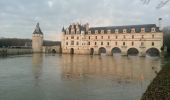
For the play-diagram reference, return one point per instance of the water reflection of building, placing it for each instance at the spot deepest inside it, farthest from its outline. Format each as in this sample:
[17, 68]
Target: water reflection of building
[118, 68]
[37, 60]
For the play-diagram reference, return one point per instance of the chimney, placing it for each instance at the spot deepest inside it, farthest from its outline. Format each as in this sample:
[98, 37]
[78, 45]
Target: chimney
[160, 24]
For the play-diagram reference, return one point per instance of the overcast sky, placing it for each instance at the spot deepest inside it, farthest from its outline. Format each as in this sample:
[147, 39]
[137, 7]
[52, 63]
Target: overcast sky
[18, 18]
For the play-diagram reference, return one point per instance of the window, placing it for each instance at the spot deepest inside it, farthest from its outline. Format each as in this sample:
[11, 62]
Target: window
[153, 29]
[124, 30]
[77, 38]
[66, 43]
[102, 31]
[132, 36]
[95, 43]
[108, 37]
[77, 43]
[108, 31]
[89, 37]
[133, 30]
[142, 44]
[72, 42]
[124, 43]
[132, 43]
[101, 43]
[152, 35]
[101, 37]
[152, 43]
[67, 38]
[116, 37]
[96, 37]
[107, 43]
[72, 37]
[88, 43]
[116, 43]
[124, 36]
[142, 36]
[142, 30]
[116, 31]
[96, 31]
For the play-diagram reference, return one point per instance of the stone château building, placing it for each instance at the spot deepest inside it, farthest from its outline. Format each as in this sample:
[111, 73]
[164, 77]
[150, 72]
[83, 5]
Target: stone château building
[127, 40]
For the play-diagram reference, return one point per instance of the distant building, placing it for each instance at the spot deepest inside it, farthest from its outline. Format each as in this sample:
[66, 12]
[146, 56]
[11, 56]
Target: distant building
[41, 46]
[127, 40]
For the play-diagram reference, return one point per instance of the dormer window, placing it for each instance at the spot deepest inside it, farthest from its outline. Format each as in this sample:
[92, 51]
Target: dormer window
[108, 31]
[133, 30]
[102, 31]
[142, 30]
[89, 32]
[116, 31]
[124, 31]
[96, 31]
[153, 29]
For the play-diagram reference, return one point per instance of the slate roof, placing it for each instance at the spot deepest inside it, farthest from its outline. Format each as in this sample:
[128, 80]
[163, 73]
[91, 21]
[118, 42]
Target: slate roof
[37, 30]
[137, 28]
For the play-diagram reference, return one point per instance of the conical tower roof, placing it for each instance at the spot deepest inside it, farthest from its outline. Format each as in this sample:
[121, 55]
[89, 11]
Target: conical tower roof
[37, 30]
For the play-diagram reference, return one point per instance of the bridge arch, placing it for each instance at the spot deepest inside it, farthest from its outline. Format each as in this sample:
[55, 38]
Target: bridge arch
[102, 50]
[132, 51]
[71, 51]
[115, 50]
[152, 52]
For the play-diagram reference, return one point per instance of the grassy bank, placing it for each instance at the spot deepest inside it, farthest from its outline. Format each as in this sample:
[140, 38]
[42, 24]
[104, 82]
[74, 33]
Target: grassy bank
[159, 89]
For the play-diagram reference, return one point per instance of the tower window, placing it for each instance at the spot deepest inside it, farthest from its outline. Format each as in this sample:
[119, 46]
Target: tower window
[77, 38]
[101, 37]
[124, 43]
[132, 43]
[96, 37]
[152, 43]
[66, 43]
[89, 37]
[67, 38]
[107, 43]
[152, 35]
[108, 37]
[142, 44]
[124, 36]
[132, 36]
[116, 43]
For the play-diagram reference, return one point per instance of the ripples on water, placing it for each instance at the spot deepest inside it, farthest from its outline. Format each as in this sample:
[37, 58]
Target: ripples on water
[75, 77]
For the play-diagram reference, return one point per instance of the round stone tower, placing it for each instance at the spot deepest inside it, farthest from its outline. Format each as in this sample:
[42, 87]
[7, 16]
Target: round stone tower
[37, 40]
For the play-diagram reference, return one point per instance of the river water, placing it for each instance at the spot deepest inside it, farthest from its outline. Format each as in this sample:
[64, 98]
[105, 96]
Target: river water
[75, 77]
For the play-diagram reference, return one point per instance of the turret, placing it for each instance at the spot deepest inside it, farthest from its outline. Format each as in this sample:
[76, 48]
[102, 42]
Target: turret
[160, 24]
[37, 40]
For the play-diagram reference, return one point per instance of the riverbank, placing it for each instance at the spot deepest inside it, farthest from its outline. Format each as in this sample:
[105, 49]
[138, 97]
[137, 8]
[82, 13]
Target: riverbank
[159, 89]
[14, 51]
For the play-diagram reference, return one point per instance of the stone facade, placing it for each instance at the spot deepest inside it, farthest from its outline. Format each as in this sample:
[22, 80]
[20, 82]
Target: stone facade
[131, 39]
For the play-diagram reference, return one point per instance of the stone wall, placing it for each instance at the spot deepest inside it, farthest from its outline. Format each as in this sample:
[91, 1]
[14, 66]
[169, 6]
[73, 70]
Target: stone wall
[14, 51]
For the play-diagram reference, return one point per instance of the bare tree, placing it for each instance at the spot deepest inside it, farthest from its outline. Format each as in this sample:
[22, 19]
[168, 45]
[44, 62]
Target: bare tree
[161, 4]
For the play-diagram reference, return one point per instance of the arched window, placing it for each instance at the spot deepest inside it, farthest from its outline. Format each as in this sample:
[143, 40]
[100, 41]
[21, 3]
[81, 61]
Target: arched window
[116, 36]
[107, 43]
[96, 37]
